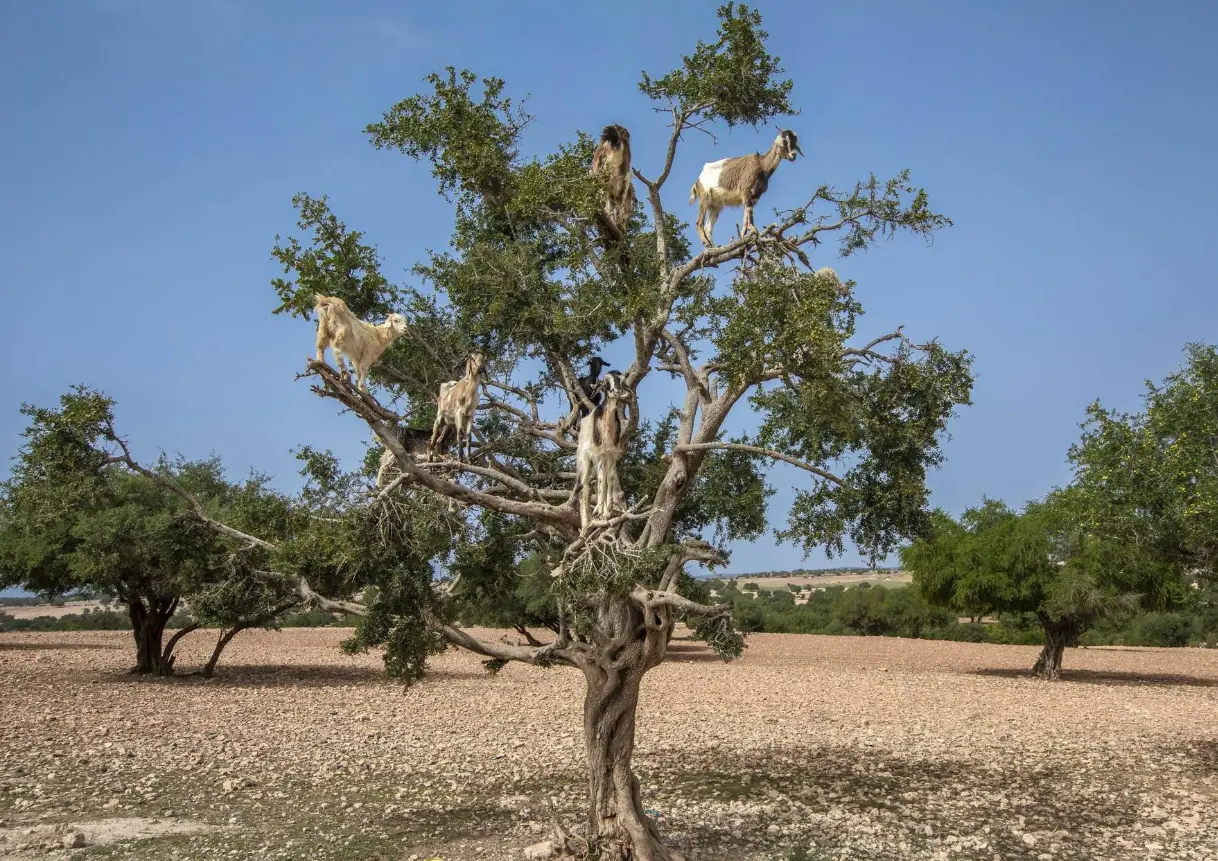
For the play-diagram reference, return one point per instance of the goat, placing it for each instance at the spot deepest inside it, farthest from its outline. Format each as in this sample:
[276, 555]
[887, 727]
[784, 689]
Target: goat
[738, 181]
[611, 158]
[455, 411]
[415, 443]
[602, 441]
[347, 335]
[587, 385]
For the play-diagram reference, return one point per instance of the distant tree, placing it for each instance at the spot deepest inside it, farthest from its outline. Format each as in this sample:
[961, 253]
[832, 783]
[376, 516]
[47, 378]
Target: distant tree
[1150, 479]
[75, 515]
[1041, 561]
[750, 587]
[862, 611]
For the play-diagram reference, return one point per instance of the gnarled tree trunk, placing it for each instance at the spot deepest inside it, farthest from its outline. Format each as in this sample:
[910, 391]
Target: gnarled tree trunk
[635, 641]
[148, 623]
[148, 628]
[1059, 634]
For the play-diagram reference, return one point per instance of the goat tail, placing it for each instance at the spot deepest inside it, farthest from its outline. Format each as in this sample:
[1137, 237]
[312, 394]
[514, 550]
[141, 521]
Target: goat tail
[693, 192]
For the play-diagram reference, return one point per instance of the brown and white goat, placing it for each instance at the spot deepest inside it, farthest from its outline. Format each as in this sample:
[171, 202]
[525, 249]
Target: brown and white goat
[611, 158]
[348, 336]
[738, 181]
[455, 410]
[415, 443]
[602, 442]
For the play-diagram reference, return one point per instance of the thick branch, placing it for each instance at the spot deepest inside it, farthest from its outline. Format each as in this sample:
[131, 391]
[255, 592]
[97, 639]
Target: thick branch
[501, 651]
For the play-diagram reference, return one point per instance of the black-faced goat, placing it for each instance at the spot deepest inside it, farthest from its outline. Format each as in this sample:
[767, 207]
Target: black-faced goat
[738, 181]
[587, 385]
[602, 442]
[415, 443]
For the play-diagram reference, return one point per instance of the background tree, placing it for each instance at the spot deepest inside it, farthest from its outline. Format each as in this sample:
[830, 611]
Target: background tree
[1042, 561]
[529, 280]
[1151, 478]
[74, 516]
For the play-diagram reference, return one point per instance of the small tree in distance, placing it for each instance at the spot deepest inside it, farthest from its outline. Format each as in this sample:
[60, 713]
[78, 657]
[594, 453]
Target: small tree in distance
[529, 281]
[1042, 561]
[74, 516]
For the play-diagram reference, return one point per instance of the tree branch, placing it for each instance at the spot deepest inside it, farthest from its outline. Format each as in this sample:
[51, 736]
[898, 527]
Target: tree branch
[538, 656]
[765, 452]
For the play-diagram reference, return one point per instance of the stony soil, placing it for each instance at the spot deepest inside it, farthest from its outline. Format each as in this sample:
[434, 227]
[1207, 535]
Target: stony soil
[844, 748]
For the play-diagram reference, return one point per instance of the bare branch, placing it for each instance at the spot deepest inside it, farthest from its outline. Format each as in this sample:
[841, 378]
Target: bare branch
[765, 452]
[196, 509]
[502, 651]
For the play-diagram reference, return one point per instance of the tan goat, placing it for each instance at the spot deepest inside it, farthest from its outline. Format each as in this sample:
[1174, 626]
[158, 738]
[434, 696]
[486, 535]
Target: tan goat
[455, 411]
[348, 336]
[602, 442]
[738, 181]
[611, 158]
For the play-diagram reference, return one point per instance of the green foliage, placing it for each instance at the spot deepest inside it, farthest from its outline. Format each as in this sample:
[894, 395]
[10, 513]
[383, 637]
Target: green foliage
[531, 278]
[1150, 479]
[1041, 563]
[733, 79]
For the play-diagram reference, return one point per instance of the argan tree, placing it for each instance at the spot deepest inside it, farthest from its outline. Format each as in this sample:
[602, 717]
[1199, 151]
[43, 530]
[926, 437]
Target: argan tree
[1044, 561]
[1151, 478]
[531, 281]
[76, 514]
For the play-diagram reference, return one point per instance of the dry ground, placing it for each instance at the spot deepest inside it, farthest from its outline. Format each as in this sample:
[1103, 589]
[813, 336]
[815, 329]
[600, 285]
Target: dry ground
[850, 748]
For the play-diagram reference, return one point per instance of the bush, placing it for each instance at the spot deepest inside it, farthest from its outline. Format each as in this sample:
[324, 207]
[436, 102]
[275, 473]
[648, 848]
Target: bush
[1162, 629]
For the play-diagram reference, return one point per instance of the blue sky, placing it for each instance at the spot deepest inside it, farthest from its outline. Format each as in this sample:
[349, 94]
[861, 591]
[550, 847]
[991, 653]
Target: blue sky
[151, 149]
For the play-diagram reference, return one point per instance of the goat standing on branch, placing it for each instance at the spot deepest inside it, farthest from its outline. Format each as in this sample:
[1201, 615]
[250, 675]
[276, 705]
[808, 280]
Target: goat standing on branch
[738, 181]
[588, 385]
[611, 159]
[602, 442]
[413, 440]
[455, 411]
[347, 335]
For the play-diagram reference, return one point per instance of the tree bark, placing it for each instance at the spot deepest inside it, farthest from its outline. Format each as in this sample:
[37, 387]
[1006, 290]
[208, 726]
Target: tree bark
[209, 669]
[618, 827]
[1059, 634]
[148, 629]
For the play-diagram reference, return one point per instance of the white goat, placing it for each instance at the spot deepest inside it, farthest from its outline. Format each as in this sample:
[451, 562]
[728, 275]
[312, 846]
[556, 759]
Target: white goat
[738, 181]
[455, 411]
[602, 442]
[345, 334]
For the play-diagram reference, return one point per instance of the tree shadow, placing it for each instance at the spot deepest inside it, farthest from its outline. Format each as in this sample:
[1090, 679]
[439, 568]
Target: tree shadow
[838, 782]
[263, 676]
[1201, 755]
[691, 653]
[1105, 677]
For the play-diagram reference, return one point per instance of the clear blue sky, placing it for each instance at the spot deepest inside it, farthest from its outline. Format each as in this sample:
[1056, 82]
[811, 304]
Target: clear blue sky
[150, 150]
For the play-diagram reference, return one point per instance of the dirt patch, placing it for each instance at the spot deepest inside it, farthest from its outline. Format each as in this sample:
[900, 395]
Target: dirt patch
[63, 838]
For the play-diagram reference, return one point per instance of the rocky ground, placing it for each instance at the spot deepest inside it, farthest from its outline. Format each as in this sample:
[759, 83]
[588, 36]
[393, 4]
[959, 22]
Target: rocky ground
[836, 747]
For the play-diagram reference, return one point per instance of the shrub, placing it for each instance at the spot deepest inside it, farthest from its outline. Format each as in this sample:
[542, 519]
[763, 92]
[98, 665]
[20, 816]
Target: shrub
[1162, 629]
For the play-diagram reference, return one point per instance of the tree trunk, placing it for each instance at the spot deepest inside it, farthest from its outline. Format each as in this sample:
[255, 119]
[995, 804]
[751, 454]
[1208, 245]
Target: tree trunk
[209, 669]
[1058, 635]
[148, 628]
[618, 827]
